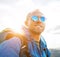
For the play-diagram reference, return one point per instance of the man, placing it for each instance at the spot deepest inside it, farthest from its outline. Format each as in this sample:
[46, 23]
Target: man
[29, 43]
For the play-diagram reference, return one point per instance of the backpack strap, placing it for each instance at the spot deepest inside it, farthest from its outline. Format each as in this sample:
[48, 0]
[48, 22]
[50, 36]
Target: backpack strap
[24, 47]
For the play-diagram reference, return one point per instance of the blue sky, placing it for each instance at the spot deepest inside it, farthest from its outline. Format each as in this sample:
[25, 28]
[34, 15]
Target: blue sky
[13, 13]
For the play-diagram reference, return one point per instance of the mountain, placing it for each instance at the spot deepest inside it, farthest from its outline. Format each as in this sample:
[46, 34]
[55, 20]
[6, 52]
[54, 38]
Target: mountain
[55, 52]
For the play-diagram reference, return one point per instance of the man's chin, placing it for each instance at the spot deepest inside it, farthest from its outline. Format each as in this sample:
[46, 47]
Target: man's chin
[37, 32]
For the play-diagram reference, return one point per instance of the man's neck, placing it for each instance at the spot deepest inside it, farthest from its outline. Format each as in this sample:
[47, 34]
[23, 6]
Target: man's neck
[35, 36]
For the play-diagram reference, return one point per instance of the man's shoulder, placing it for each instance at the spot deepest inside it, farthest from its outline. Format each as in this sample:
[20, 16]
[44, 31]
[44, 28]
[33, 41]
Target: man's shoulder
[7, 34]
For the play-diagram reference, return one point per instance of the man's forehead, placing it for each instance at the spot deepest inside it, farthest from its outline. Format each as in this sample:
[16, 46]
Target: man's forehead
[36, 12]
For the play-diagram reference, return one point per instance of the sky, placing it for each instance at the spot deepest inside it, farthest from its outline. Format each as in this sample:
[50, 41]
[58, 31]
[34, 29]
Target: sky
[13, 13]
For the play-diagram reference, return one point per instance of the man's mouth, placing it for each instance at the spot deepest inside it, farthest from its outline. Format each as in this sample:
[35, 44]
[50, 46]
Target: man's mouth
[38, 25]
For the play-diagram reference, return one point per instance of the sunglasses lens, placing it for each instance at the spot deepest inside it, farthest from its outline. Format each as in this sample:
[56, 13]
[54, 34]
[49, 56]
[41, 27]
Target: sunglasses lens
[34, 18]
[42, 19]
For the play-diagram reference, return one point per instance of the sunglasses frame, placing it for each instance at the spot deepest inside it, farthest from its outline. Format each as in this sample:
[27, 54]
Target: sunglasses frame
[36, 18]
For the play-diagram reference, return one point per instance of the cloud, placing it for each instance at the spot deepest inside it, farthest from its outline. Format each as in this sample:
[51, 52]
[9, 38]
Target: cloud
[57, 27]
[7, 1]
[54, 30]
[44, 2]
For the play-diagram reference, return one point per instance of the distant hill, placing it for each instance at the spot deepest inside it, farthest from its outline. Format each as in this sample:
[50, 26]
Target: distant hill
[55, 52]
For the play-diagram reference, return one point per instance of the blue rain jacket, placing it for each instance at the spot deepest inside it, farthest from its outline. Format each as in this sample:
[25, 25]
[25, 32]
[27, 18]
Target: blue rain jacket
[11, 48]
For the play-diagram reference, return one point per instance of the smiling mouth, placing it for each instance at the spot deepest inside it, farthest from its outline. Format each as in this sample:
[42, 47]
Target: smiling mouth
[38, 25]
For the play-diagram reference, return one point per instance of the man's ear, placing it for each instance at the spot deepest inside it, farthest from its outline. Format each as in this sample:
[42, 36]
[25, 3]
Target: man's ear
[26, 22]
[27, 19]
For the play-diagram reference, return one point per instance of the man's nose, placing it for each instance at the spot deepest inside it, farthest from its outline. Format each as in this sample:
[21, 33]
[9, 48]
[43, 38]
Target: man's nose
[38, 21]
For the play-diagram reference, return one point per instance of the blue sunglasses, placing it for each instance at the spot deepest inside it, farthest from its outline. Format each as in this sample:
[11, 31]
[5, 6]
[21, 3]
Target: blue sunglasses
[35, 18]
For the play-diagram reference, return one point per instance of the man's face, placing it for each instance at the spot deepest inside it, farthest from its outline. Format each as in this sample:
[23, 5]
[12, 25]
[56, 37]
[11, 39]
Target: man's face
[35, 26]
